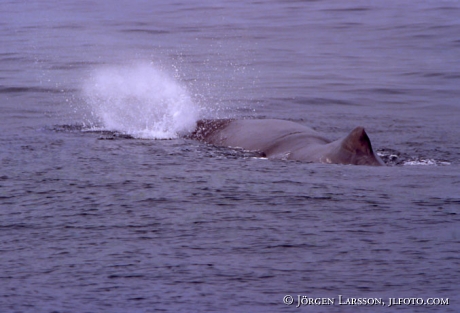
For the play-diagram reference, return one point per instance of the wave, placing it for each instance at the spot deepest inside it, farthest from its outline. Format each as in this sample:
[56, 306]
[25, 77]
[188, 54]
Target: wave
[34, 89]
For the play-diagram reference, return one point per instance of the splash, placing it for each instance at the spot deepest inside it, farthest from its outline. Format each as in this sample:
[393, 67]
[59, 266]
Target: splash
[426, 162]
[139, 100]
[394, 157]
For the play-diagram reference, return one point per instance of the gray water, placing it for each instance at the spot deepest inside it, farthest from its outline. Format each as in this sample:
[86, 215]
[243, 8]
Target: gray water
[97, 214]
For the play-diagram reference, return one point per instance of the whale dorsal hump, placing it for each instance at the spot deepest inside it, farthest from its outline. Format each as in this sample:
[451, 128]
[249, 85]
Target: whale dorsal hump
[357, 141]
[357, 146]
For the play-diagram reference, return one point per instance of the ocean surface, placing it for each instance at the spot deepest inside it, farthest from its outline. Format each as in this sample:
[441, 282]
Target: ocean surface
[105, 207]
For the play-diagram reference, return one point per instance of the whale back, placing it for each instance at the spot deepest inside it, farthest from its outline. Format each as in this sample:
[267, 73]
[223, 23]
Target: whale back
[206, 129]
[279, 139]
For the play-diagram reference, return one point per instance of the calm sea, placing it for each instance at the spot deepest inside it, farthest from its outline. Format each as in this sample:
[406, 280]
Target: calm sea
[105, 208]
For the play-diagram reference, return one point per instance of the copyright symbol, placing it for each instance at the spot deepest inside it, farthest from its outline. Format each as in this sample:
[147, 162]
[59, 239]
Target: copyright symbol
[288, 300]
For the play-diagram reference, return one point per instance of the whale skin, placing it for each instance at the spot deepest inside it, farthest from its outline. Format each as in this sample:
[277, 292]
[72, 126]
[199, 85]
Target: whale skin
[287, 140]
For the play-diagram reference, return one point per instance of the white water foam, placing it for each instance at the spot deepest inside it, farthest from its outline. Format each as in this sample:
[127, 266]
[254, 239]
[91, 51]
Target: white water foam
[426, 162]
[140, 100]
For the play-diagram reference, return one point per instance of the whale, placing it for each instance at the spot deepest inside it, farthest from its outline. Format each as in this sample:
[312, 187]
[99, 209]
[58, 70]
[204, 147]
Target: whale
[286, 140]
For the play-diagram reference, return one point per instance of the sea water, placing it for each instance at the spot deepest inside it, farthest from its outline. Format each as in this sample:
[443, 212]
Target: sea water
[105, 207]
